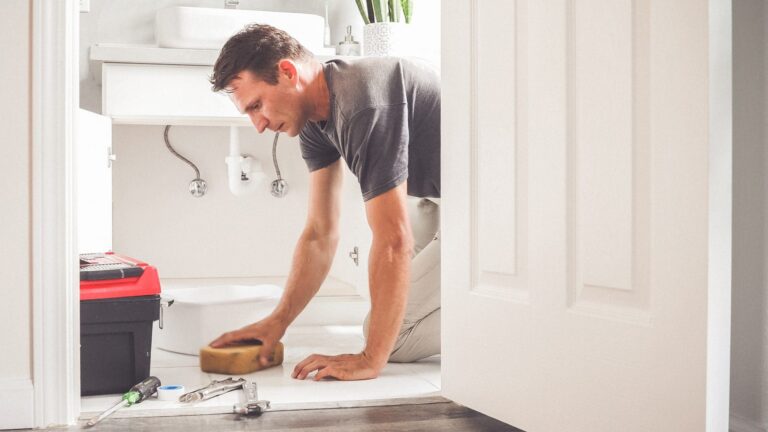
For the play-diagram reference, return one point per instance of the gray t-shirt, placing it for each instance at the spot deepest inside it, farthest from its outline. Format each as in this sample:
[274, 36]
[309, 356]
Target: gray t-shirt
[384, 121]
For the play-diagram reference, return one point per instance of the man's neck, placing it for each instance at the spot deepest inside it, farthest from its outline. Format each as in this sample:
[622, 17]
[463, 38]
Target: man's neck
[318, 96]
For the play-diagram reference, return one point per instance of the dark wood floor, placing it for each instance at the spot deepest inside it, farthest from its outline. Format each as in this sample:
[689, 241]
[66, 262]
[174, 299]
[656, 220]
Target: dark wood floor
[443, 417]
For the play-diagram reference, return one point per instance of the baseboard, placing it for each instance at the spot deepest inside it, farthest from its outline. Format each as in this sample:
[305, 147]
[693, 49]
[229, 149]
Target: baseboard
[741, 424]
[17, 401]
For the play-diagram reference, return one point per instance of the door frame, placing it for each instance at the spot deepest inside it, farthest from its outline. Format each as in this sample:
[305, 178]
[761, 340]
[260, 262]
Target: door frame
[55, 308]
[720, 222]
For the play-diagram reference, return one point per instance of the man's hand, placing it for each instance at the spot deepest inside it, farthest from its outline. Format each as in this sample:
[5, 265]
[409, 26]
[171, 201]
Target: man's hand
[345, 367]
[269, 331]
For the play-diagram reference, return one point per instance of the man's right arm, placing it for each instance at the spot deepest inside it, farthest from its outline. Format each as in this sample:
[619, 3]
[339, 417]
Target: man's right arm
[316, 247]
[312, 260]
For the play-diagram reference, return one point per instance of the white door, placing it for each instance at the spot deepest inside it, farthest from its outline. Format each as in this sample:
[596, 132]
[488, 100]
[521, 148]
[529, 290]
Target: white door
[93, 149]
[586, 212]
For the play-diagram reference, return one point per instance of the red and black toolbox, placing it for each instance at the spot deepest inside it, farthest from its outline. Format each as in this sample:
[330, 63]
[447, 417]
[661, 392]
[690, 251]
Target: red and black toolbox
[119, 301]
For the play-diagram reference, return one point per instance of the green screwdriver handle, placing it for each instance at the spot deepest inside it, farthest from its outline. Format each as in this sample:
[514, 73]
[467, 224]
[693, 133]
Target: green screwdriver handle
[131, 397]
[142, 390]
[136, 394]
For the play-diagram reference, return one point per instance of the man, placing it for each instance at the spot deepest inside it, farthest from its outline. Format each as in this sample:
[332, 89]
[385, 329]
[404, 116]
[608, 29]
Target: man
[382, 116]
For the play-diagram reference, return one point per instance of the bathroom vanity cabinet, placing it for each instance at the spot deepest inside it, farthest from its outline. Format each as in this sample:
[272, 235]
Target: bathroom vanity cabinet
[151, 85]
[165, 94]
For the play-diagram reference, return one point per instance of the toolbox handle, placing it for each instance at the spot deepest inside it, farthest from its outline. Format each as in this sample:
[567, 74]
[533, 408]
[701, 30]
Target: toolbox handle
[164, 303]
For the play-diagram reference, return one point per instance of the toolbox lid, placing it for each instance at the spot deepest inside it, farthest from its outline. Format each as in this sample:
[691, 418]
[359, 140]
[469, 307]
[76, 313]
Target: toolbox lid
[110, 275]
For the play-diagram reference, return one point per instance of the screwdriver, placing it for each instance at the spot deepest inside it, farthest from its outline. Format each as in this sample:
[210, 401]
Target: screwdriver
[136, 394]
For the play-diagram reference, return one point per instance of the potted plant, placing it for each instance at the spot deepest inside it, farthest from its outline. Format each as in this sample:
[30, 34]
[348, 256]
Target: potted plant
[387, 26]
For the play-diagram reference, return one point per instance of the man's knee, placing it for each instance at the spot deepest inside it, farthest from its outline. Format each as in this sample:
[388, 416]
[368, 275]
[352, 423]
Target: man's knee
[415, 341]
[420, 341]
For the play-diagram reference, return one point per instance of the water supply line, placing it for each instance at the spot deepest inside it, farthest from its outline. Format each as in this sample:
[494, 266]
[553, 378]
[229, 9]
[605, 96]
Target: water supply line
[279, 186]
[197, 187]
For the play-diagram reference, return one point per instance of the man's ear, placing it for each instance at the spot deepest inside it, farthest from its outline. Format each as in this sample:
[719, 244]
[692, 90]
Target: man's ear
[288, 69]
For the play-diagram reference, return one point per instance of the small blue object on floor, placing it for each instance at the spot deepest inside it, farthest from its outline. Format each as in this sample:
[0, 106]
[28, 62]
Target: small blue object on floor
[170, 392]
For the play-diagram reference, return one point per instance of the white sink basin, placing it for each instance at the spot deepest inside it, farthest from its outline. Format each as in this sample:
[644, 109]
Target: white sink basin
[208, 28]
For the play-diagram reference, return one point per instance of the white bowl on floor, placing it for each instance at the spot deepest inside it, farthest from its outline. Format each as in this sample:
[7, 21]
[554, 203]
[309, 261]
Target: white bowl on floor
[199, 315]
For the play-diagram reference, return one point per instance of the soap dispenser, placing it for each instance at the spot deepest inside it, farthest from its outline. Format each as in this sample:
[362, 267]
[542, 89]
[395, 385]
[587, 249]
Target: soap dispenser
[349, 46]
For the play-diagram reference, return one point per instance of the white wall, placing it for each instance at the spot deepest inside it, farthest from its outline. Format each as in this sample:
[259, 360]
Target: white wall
[749, 356]
[15, 285]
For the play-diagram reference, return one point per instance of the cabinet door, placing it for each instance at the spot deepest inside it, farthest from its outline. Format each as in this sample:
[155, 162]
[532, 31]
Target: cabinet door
[93, 167]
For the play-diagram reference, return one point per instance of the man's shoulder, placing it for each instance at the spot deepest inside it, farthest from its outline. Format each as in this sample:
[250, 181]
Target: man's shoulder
[353, 64]
[371, 82]
[351, 77]
[367, 67]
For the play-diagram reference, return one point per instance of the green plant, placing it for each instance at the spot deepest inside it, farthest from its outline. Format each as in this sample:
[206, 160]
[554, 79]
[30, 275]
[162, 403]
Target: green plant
[374, 11]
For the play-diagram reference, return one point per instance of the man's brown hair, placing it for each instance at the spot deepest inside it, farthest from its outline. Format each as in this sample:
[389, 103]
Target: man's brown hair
[257, 48]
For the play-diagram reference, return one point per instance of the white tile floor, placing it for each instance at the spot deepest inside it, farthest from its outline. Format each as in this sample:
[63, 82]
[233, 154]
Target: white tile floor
[399, 382]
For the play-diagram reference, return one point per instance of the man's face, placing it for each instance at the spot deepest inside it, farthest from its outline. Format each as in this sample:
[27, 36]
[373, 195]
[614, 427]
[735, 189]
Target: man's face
[274, 107]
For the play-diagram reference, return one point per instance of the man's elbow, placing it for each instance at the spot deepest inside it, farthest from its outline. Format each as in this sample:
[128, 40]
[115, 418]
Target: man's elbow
[397, 244]
[327, 236]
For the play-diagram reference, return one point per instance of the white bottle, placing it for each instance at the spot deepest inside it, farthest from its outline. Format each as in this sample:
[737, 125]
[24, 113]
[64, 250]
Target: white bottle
[327, 35]
[349, 46]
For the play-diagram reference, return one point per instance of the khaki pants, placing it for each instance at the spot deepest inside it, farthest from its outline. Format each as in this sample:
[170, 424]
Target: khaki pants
[419, 335]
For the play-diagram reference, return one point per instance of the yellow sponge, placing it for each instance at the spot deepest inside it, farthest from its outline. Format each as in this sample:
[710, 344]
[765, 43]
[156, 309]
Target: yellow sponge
[238, 359]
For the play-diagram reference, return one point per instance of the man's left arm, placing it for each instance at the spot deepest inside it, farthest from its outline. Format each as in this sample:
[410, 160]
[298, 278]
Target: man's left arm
[389, 275]
[388, 270]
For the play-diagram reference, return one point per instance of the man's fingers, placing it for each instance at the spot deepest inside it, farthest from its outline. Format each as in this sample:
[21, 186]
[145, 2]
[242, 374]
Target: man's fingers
[233, 337]
[326, 372]
[301, 365]
[223, 340]
[311, 363]
[341, 367]
[309, 368]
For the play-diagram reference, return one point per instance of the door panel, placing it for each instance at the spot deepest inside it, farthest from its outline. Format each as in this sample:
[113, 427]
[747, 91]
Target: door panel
[583, 285]
[608, 158]
[498, 150]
